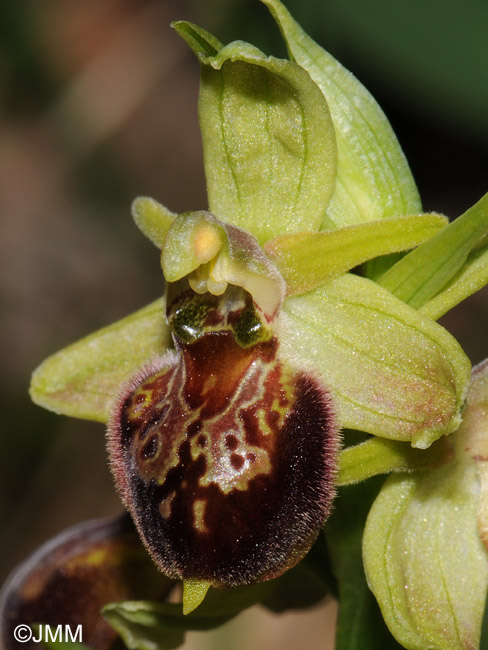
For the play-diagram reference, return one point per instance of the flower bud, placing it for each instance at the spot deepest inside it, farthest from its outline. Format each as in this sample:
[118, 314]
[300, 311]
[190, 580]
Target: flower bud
[67, 581]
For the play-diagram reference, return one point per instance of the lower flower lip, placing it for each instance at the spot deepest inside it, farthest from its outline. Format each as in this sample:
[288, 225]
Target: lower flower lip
[226, 458]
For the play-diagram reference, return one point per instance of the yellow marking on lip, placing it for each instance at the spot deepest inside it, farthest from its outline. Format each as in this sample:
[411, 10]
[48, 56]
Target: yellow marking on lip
[210, 384]
[196, 450]
[136, 407]
[199, 514]
[165, 506]
[263, 425]
[282, 411]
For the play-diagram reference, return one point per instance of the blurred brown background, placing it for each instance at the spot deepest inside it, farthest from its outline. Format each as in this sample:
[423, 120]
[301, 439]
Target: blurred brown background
[98, 104]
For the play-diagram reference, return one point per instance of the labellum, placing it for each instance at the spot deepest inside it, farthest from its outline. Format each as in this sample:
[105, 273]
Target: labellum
[223, 450]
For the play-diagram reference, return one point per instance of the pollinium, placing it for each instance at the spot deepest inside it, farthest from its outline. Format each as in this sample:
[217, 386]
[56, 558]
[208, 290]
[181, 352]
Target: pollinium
[223, 451]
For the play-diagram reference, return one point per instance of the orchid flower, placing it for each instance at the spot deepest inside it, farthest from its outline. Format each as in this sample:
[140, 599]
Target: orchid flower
[299, 307]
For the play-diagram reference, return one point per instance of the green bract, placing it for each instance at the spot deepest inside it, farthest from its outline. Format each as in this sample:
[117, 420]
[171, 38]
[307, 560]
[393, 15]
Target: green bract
[314, 244]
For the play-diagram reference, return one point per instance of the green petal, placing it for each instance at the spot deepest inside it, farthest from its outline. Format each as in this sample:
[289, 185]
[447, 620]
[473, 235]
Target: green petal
[307, 260]
[472, 277]
[83, 379]
[423, 273]
[391, 371]
[382, 456]
[152, 219]
[373, 177]
[268, 140]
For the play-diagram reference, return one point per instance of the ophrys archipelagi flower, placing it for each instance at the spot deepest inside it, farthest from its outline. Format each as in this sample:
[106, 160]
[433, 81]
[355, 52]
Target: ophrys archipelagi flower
[224, 452]
[292, 308]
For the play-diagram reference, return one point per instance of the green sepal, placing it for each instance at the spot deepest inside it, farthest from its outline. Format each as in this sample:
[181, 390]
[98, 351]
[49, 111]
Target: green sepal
[471, 277]
[425, 561]
[391, 371]
[423, 553]
[146, 625]
[425, 271]
[307, 260]
[152, 219]
[198, 39]
[373, 178]
[83, 379]
[382, 456]
[268, 140]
